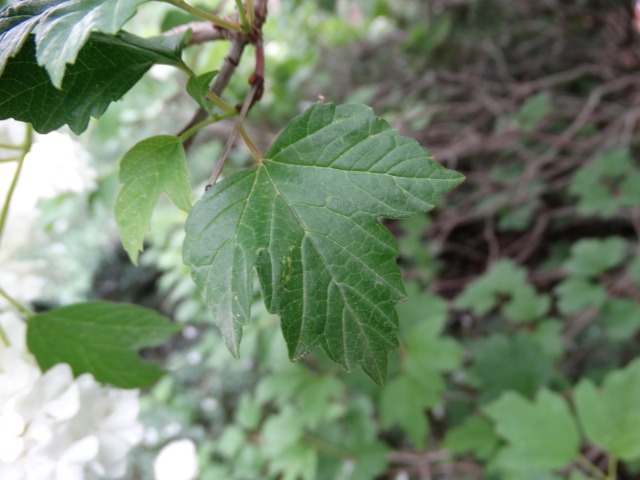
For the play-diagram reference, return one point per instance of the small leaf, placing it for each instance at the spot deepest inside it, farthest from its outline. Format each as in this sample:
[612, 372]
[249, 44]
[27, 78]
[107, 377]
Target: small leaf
[154, 166]
[404, 402]
[533, 110]
[63, 28]
[106, 68]
[607, 184]
[591, 257]
[100, 338]
[307, 218]
[504, 278]
[576, 294]
[610, 416]
[620, 318]
[527, 370]
[541, 435]
[474, 436]
[198, 86]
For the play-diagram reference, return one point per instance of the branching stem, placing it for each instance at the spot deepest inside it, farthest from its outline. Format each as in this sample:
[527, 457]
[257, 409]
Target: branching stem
[16, 304]
[181, 4]
[220, 103]
[25, 147]
[3, 337]
[213, 119]
[7, 146]
[239, 128]
[593, 471]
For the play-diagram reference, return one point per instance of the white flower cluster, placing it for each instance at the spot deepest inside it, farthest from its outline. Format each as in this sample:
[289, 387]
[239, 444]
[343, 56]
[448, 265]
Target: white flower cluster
[55, 427]
[52, 426]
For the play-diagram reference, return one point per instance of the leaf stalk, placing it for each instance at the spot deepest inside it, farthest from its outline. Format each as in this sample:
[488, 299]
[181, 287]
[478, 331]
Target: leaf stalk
[591, 469]
[246, 26]
[213, 119]
[221, 22]
[25, 148]
[251, 12]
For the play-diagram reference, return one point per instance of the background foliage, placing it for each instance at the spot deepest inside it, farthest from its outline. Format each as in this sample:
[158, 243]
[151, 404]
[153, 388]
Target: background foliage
[519, 336]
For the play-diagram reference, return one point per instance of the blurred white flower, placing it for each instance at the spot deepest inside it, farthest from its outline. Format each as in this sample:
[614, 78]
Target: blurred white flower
[55, 427]
[52, 426]
[178, 460]
[56, 164]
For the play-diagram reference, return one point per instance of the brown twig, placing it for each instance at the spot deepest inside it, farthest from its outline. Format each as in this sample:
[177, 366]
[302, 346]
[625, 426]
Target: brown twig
[231, 61]
[246, 105]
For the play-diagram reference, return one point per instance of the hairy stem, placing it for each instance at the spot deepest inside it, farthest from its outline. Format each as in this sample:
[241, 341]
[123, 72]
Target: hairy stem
[181, 4]
[26, 146]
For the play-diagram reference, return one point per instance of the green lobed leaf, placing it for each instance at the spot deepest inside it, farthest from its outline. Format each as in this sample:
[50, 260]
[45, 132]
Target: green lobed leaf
[608, 184]
[63, 28]
[154, 166]
[105, 69]
[505, 278]
[610, 415]
[620, 318]
[307, 218]
[576, 294]
[540, 435]
[591, 257]
[475, 436]
[198, 86]
[528, 367]
[533, 110]
[404, 402]
[101, 338]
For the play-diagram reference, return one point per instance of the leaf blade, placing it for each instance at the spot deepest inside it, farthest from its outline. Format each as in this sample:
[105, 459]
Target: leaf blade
[64, 27]
[154, 166]
[307, 218]
[106, 68]
[100, 338]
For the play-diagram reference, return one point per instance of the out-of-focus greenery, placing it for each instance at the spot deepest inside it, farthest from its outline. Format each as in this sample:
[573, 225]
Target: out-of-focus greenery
[523, 287]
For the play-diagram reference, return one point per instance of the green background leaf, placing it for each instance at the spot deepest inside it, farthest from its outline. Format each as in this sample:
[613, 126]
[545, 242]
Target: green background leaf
[106, 68]
[611, 417]
[307, 218]
[101, 338]
[541, 434]
[527, 370]
[154, 166]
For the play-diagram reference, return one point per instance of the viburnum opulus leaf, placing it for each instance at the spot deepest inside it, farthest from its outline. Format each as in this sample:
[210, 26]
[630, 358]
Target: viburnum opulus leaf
[61, 27]
[307, 219]
[106, 68]
[153, 166]
[101, 338]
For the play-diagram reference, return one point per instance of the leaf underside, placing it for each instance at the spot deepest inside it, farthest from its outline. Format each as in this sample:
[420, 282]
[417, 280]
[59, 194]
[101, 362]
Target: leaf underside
[61, 27]
[105, 69]
[307, 219]
[101, 338]
[154, 166]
